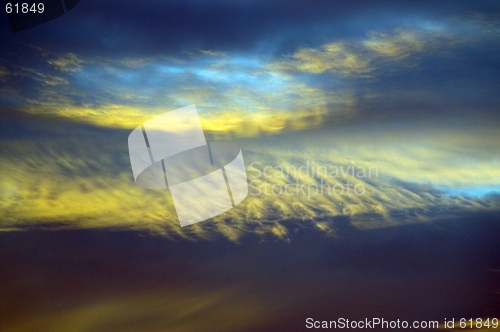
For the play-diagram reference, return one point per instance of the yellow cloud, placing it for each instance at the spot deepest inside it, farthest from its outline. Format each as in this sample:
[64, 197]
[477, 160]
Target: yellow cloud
[400, 45]
[87, 183]
[228, 113]
[357, 58]
[223, 124]
[334, 57]
[44, 78]
[69, 62]
[172, 310]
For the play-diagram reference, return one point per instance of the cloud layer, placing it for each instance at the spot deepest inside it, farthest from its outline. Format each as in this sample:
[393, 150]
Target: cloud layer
[409, 90]
[86, 181]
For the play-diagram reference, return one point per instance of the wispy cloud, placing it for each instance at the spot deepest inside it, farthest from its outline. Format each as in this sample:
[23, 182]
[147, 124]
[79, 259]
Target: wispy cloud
[87, 183]
[175, 310]
[67, 62]
[232, 92]
[334, 58]
[361, 57]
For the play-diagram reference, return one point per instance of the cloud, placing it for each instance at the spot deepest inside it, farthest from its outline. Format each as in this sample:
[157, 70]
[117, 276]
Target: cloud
[85, 181]
[333, 57]
[69, 62]
[221, 125]
[399, 45]
[361, 57]
[44, 78]
[175, 310]
[232, 92]
[487, 23]
[4, 74]
[375, 75]
[208, 53]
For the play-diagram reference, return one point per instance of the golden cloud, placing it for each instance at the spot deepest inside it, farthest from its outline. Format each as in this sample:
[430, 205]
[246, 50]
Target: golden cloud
[357, 58]
[236, 111]
[400, 45]
[220, 125]
[44, 78]
[172, 310]
[334, 57]
[69, 62]
[87, 183]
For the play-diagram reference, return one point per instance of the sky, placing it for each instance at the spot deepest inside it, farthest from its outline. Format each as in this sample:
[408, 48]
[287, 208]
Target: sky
[370, 114]
[409, 90]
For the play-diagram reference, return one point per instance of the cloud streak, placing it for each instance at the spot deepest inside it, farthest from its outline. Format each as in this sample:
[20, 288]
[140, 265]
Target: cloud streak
[87, 183]
[360, 58]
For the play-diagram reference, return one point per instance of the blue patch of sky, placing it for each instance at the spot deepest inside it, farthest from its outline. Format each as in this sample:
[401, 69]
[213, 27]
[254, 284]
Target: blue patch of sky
[474, 191]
